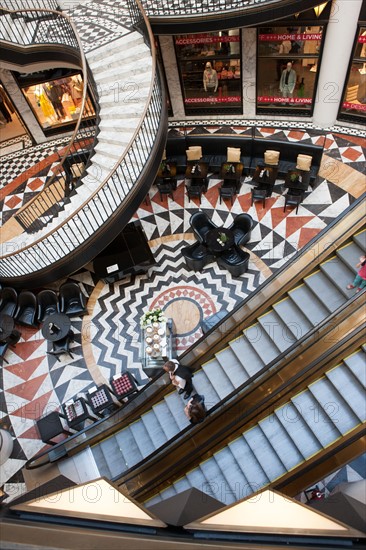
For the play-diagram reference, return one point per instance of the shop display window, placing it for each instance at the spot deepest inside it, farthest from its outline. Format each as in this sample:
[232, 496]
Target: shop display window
[288, 59]
[57, 102]
[353, 107]
[210, 71]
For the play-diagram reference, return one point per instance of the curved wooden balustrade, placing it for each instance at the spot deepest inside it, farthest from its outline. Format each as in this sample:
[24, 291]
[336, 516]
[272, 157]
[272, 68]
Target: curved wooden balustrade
[115, 195]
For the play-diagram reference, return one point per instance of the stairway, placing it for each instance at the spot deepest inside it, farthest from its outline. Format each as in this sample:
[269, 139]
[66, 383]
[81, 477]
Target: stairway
[311, 421]
[122, 72]
[287, 321]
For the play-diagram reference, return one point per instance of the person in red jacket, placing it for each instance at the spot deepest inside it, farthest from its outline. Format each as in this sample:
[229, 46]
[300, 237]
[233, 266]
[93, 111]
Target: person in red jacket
[360, 279]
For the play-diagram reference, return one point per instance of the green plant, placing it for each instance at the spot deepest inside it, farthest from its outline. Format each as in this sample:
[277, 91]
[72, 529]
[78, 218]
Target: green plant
[153, 316]
[294, 177]
[223, 237]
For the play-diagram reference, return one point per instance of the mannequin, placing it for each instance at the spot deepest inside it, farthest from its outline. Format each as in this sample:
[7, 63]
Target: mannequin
[288, 81]
[210, 80]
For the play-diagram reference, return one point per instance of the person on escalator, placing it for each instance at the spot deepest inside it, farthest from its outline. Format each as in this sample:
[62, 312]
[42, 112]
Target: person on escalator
[360, 279]
[180, 376]
[195, 409]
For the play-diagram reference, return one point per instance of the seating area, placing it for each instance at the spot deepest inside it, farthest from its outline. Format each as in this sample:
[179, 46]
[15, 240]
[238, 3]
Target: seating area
[219, 243]
[252, 149]
[49, 308]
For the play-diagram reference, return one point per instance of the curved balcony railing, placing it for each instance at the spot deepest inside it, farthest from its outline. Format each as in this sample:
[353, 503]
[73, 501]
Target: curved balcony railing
[43, 28]
[197, 7]
[72, 235]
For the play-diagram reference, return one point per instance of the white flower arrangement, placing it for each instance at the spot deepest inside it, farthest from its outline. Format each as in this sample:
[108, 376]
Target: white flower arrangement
[153, 316]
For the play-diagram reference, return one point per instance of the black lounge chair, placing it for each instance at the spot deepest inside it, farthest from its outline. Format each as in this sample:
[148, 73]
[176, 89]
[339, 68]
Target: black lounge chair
[197, 256]
[47, 304]
[8, 301]
[235, 260]
[201, 225]
[26, 312]
[72, 300]
[242, 228]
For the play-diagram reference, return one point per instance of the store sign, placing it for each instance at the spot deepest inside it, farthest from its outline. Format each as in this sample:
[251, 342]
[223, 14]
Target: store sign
[294, 36]
[227, 99]
[356, 106]
[290, 100]
[204, 39]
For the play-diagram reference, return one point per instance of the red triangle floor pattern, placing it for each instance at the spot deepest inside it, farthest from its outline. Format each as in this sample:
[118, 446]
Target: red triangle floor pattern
[26, 368]
[25, 349]
[27, 390]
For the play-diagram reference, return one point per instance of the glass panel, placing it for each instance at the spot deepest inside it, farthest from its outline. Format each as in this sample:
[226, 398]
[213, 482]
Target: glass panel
[287, 66]
[57, 102]
[210, 71]
[354, 98]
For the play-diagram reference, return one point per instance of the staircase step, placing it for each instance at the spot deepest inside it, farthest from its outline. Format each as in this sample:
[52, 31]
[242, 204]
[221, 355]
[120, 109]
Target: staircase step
[218, 378]
[176, 405]
[309, 304]
[232, 473]
[121, 59]
[339, 412]
[327, 292]
[248, 462]
[120, 85]
[232, 366]
[262, 343]
[360, 239]
[116, 138]
[247, 355]
[313, 414]
[302, 436]
[203, 386]
[281, 441]
[154, 429]
[338, 273]
[166, 420]
[197, 479]
[265, 453]
[113, 456]
[293, 317]
[130, 449]
[348, 385]
[101, 462]
[110, 149]
[356, 362]
[220, 489]
[276, 330]
[182, 484]
[124, 42]
[350, 256]
[142, 438]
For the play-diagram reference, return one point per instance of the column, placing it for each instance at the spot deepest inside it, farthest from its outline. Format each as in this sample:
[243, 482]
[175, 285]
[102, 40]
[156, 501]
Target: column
[336, 55]
[172, 75]
[249, 60]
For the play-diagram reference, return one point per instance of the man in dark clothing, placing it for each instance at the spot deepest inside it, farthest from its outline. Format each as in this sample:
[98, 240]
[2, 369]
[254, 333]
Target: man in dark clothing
[180, 376]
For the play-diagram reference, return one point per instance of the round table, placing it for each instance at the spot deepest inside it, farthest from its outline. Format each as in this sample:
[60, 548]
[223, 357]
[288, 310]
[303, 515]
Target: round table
[6, 326]
[56, 326]
[214, 244]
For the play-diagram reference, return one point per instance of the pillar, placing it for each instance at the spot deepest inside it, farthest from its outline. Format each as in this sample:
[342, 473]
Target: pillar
[172, 75]
[249, 60]
[337, 51]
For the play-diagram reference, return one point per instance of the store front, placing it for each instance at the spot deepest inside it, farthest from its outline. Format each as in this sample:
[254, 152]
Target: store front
[55, 102]
[210, 72]
[288, 62]
[353, 106]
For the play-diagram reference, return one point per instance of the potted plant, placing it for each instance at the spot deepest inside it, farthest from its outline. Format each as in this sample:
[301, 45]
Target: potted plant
[294, 177]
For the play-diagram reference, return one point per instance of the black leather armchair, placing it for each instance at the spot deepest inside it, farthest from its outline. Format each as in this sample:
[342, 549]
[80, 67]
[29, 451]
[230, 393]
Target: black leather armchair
[3, 348]
[8, 301]
[26, 312]
[197, 256]
[235, 260]
[242, 228]
[47, 304]
[293, 197]
[71, 299]
[201, 224]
